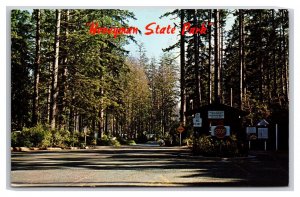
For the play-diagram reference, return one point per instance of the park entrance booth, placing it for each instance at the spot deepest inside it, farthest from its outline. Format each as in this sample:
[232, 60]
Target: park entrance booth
[220, 122]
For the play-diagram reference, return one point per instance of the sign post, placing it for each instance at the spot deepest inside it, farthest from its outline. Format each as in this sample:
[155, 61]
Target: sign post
[251, 133]
[276, 137]
[180, 129]
[85, 133]
[179, 139]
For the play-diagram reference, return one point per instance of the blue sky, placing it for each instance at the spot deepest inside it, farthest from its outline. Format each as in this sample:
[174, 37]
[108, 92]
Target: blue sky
[156, 42]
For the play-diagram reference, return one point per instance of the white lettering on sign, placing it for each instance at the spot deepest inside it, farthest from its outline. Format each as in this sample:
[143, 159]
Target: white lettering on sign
[215, 114]
[262, 133]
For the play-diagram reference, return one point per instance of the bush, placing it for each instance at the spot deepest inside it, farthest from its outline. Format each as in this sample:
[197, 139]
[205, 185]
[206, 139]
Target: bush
[108, 141]
[122, 140]
[15, 139]
[210, 146]
[41, 136]
[61, 138]
[47, 141]
[74, 139]
[130, 142]
[188, 141]
[30, 137]
[104, 140]
[115, 143]
[94, 142]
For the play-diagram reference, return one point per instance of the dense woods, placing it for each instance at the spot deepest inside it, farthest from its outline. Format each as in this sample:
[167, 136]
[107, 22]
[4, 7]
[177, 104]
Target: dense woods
[69, 81]
[245, 67]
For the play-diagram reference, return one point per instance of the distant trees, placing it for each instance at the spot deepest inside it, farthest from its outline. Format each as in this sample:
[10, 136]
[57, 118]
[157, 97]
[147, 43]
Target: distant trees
[69, 80]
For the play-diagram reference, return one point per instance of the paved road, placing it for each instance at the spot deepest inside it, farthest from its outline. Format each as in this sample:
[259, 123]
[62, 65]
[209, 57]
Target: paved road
[143, 166]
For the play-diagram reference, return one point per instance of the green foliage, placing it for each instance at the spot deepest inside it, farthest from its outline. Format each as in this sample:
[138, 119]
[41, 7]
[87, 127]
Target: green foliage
[21, 61]
[210, 146]
[94, 142]
[104, 141]
[34, 136]
[41, 136]
[15, 139]
[130, 142]
[61, 138]
[109, 141]
[47, 141]
[187, 141]
[115, 143]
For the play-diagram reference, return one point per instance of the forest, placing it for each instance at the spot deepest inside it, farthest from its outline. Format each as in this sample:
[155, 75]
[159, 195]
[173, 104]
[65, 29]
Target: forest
[67, 84]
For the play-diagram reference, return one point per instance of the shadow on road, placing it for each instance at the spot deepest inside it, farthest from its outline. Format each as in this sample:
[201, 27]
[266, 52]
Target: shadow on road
[176, 165]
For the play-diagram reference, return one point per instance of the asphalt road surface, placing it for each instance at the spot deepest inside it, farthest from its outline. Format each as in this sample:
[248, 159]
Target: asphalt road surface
[144, 166]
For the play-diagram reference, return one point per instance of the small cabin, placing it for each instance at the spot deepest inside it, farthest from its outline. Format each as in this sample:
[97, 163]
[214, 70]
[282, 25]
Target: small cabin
[218, 114]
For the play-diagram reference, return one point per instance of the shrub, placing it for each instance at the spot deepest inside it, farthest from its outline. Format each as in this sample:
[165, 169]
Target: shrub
[15, 139]
[115, 143]
[210, 146]
[122, 140]
[33, 136]
[30, 137]
[130, 142]
[74, 139]
[104, 140]
[109, 141]
[41, 136]
[47, 141]
[188, 141]
[94, 142]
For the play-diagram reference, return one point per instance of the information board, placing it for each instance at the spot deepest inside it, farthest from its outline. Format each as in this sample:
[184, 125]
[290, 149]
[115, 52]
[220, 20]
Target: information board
[250, 130]
[262, 133]
[215, 114]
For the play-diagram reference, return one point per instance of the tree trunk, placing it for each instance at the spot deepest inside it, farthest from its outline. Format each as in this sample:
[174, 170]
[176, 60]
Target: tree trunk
[54, 88]
[274, 95]
[209, 59]
[220, 91]
[284, 58]
[35, 110]
[101, 108]
[280, 57]
[182, 71]
[196, 62]
[216, 58]
[261, 65]
[241, 32]
[62, 89]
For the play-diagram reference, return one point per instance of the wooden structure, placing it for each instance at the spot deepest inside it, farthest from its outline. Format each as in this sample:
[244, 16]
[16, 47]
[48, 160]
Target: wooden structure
[218, 114]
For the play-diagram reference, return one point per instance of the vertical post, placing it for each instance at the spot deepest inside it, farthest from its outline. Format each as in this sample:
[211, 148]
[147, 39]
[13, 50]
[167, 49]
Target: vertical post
[230, 97]
[249, 144]
[276, 137]
[180, 139]
[265, 145]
